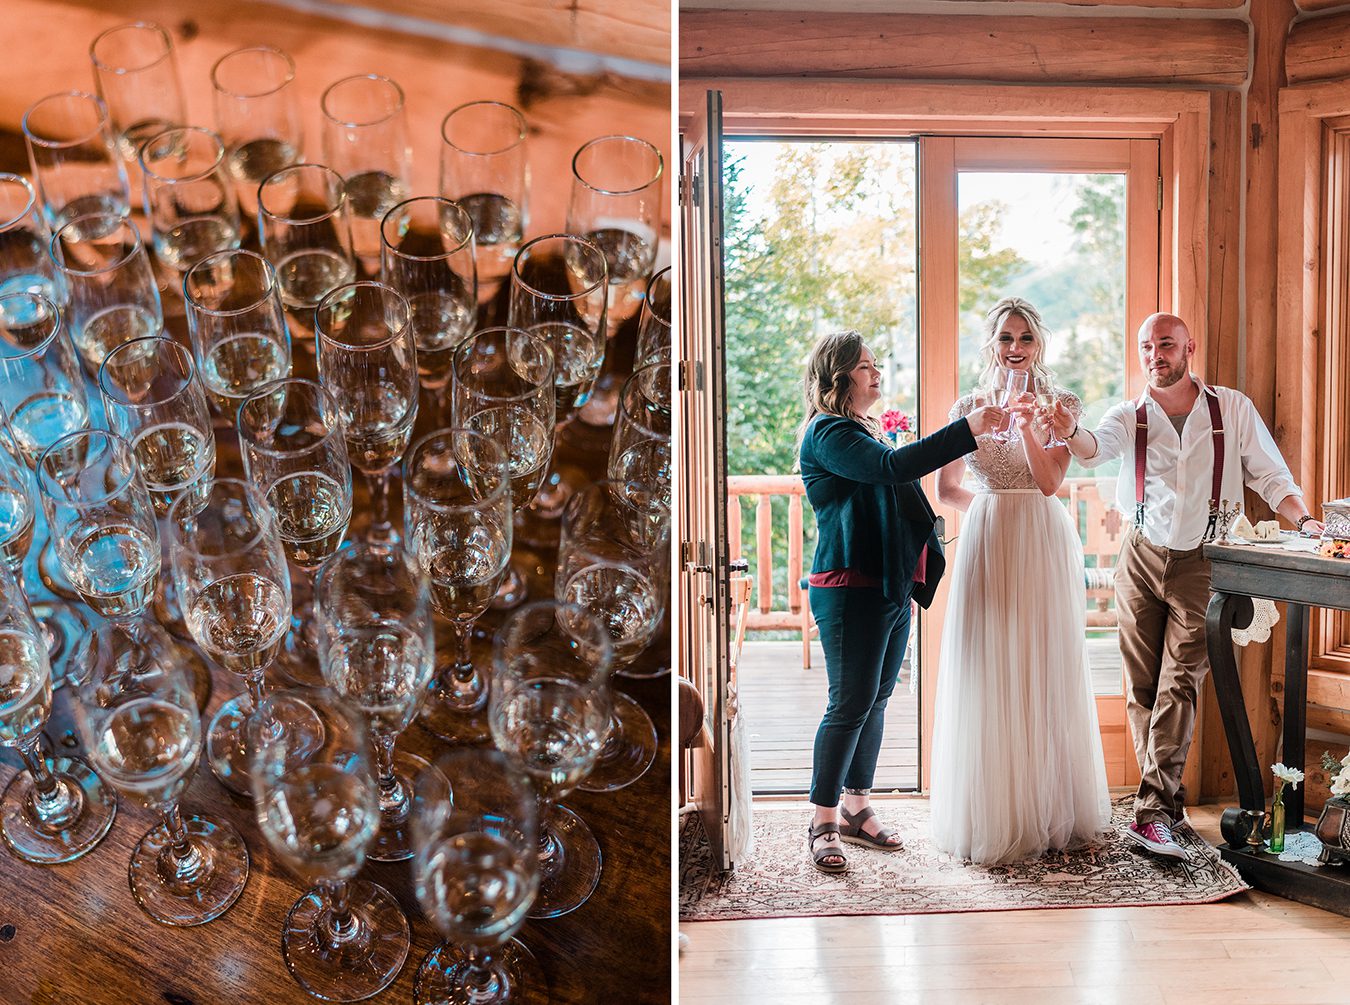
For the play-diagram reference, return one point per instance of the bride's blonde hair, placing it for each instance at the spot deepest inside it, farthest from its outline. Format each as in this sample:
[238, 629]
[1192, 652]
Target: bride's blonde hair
[994, 322]
[827, 384]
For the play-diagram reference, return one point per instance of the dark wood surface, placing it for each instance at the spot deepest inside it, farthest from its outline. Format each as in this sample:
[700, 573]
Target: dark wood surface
[73, 935]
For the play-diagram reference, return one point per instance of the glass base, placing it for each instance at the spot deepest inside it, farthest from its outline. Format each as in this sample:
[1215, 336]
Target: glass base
[43, 844]
[182, 904]
[568, 879]
[445, 719]
[446, 978]
[63, 625]
[227, 753]
[393, 841]
[629, 750]
[351, 971]
[53, 578]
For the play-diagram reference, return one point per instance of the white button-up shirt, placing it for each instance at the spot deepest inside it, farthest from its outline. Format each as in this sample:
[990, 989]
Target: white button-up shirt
[1179, 471]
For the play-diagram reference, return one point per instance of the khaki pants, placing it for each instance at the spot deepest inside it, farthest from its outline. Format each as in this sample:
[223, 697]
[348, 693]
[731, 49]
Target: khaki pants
[1161, 597]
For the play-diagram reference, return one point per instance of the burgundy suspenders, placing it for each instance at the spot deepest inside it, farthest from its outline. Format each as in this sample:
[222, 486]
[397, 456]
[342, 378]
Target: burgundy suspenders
[1141, 454]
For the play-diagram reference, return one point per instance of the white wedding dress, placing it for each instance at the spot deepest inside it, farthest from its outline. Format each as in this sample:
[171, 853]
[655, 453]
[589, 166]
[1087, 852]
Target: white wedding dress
[1017, 758]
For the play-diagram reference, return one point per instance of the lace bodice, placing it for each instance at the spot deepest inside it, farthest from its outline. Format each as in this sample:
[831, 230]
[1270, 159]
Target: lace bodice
[998, 465]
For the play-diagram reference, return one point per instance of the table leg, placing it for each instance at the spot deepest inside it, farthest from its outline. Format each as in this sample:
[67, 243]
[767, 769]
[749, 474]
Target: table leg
[1227, 611]
[1295, 706]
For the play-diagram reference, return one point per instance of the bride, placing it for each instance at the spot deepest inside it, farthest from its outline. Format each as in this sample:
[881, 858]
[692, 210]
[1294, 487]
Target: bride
[1017, 758]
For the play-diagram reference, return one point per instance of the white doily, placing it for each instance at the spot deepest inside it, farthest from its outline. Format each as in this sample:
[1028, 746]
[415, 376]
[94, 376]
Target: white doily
[1301, 846]
[1265, 616]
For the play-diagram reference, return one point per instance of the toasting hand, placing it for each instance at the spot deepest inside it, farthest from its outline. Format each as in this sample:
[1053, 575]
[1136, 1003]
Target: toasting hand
[986, 419]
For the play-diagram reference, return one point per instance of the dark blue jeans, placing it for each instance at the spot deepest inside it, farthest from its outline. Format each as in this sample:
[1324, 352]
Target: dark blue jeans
[864, 637]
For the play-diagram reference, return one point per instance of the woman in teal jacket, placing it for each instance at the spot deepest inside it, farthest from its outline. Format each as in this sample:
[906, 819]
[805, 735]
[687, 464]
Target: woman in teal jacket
[876, 550]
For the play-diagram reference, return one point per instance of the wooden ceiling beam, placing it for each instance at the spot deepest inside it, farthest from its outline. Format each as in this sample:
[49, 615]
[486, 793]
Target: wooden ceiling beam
[1318, 49]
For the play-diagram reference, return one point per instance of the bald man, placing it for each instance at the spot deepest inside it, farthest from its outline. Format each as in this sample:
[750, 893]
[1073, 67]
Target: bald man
[1177, 433]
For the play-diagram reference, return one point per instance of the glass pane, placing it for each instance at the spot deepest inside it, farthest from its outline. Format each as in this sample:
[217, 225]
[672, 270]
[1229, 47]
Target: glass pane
[820, 236]
[1058, 241]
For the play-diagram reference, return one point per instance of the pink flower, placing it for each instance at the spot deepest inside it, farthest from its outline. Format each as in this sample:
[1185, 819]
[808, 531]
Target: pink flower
[906, 424]
[892, 421]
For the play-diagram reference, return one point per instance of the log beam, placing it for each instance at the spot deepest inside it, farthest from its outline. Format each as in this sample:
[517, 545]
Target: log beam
[1318, 49]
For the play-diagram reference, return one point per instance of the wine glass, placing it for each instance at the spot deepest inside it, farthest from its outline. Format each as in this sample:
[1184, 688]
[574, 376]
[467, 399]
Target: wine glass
[291, 438]
[427, 255]
[476, 875]
[42, 398]
[549, 710]
[232, 581]
[485, 168]
[25, 263]
[365, 140]
[653, 341]
[257, 116]
[368, 362]
[238, 331]
[189, 198]
[304, 224]
[77, 170]
[377, 650]
[136, 74]
[138, 718]
[113, 296]
[318, 806]
[640, 454]
[457, 505]
[49, 813]
[610, 564]
[1046, 396]
[1008, 386]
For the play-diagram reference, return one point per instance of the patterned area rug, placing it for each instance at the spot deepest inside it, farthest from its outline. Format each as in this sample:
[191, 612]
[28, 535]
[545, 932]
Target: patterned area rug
[778, 881]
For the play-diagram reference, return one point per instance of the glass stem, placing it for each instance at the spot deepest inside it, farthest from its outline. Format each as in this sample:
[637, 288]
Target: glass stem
[482, 977]
[48, 793]
[188, 862]
[393, 796]
[381, 529]
[465, 686]
[255, 682]
[550, 850]
[340, 925]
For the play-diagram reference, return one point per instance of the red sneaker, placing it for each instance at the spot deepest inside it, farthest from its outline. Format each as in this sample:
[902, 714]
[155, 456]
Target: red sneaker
[1157, 838]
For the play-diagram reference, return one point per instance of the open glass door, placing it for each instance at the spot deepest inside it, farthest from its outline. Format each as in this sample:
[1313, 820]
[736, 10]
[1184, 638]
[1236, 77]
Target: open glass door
[704, 611]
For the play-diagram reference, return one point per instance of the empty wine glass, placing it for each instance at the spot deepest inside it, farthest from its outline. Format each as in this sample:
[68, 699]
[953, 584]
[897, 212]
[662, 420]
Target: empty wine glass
[49, 813]
[18, 508]
[426, 254]
[304, 224]
[610, 564]
[25, 262]
[136, 73]
[377, 650]
[365, 140]
[476, 875]
[113, 296]
[233, 583]
[77, 170]
[238, 330]
[257, 116]
[318, 806]
[138, 717]
[189, 199]
[1008, 386]
[639, 454]
[485, 168]
[457, 506]
[368, 362]
[549, 711]
[291, 438]
[653, 341]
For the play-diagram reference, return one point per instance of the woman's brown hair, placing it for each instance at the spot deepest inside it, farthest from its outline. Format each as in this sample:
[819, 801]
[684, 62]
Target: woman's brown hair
[827, 384]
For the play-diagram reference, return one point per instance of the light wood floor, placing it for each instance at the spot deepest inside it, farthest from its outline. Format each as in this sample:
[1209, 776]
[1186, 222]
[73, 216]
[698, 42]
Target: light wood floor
[1253, 948]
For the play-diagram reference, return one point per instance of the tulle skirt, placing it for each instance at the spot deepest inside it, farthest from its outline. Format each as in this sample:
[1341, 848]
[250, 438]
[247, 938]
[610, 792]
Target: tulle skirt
[1017, 758]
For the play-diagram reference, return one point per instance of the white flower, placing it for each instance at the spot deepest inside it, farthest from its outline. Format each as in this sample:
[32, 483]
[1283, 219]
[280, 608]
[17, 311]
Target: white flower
[1345, 761]
[1286, 774]
[1340, 785]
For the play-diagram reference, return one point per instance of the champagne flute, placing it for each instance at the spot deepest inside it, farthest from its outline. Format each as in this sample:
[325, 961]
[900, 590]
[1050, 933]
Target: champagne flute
[427, 255]
[42, 397]
[368, 362]
[485, 168]
[653, 341]
[304, 225]
[377, 650]
[1008, 386]
[77, 170]
[238, 331]
[1046, 396]
[457, 505]
[232, 581]
[136, 73]
[25, 263]
[549, 711]
[640, 454]
[476, 875]
[257, 116]
[317, 804]
[291, 438]
[138, 718]
[188, 196]
[49, 813]
[113, 294]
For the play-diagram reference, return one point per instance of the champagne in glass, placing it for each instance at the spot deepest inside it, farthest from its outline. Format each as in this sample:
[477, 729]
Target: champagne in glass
[1046, 397]
[188, 196]
[258, 117]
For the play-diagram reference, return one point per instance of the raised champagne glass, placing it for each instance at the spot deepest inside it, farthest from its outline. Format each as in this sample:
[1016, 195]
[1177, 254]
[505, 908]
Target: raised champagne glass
[1008, 386]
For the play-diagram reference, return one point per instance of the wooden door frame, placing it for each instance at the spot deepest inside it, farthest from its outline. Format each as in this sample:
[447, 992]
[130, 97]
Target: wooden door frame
[1179, 120]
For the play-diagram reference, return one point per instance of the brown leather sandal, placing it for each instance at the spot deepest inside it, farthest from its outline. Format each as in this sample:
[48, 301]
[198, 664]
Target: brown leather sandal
[853, 832]
[819, 855]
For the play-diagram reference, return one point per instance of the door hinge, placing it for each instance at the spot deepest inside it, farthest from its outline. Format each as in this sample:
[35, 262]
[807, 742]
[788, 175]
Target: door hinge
[691, 374]
[1160, 193]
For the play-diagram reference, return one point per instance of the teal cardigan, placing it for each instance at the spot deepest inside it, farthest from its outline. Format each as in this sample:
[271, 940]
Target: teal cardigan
[871, 515]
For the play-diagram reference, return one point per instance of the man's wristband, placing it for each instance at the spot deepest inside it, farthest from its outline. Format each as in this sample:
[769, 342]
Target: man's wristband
[1302, 520]
[1073, 434]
